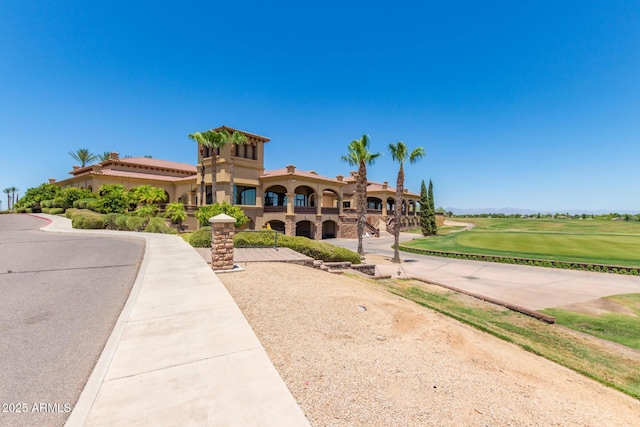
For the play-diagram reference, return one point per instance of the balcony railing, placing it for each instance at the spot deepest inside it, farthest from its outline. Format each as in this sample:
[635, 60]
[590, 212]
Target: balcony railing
[304, 209]
[275, 209]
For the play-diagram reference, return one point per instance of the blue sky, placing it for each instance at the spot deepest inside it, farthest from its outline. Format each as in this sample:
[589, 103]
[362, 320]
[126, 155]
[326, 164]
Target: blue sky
[518, 104]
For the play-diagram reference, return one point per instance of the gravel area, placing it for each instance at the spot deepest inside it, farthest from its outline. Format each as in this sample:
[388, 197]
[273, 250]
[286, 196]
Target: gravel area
[355, 355]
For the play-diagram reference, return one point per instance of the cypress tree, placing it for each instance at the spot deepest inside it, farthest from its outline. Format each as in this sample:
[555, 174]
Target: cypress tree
[433, 227]
[424, 210]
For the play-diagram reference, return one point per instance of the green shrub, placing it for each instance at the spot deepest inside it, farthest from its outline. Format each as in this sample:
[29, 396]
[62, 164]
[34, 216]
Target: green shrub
[312, 248]
[121, 222]
[146, 211]
[85, 219]
[146, 194]
[35, 195]
[28, 210]
[157, 225]
[113, 199]
[255, 240]
[46, 204]
[71, 212]
[93, 222]
[136, 223]
[203, 213]
[201, 238]
[175, 212]
[21, 210]
[56, 211]
[84, 203]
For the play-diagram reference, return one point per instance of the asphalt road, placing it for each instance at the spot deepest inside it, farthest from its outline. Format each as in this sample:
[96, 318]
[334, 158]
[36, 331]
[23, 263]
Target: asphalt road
[60, 296]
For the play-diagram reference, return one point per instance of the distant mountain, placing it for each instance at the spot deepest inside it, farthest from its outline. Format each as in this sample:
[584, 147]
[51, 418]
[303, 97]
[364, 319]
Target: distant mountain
[505, 211]
[513, 211]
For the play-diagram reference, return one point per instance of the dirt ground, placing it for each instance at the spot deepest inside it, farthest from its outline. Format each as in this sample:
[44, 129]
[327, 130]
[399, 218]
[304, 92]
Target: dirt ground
[355, 355]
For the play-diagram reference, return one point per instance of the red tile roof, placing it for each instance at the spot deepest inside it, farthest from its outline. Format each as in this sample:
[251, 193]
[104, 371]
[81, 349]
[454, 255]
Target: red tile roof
[155, 163]
[283, 172]
[146, 176]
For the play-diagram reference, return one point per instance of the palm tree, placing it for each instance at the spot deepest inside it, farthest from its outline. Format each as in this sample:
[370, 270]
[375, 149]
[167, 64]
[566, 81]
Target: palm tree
[7, 191]
[235, 138]
[202, 142]
[400, 153]
[212, 139]
[359, 155]
[83, 156]
[14, 190]
[104, 156]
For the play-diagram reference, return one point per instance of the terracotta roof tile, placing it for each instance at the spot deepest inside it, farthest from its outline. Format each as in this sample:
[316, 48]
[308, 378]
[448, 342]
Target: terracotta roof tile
[146, 161]
[282, 172]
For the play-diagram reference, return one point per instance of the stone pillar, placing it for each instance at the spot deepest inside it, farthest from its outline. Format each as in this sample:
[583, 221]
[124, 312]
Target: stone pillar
[290, 225]
[222, 231]
[318, 235]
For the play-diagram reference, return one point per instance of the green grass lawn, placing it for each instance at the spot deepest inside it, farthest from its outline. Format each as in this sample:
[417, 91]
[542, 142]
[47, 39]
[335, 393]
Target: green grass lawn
[617, 327]
[592, 241]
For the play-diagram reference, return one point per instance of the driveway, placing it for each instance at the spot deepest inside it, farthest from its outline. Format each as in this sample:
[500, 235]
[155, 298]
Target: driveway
[60, 295]
[534, 288]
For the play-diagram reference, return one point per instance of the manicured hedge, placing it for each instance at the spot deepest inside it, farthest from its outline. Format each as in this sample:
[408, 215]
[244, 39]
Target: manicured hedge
[201, 238]
[157, 225]
[526, 261]
[86, 203]
[85, 219]
[312, 248]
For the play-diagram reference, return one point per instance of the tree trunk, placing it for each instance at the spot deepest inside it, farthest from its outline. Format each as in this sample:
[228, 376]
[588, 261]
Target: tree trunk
[361, 203]
[232, 161]
[214, 159]
[397, 213]
[201, 198]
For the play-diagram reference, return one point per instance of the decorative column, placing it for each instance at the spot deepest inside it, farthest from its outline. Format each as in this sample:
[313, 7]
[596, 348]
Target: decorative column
[222, 231]
[318, 227]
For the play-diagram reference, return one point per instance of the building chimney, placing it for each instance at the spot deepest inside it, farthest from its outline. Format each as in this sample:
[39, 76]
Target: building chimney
[385, 185]
[76, 167]
[52, 180]
[339, 177]
[114, 156]
[291, 169]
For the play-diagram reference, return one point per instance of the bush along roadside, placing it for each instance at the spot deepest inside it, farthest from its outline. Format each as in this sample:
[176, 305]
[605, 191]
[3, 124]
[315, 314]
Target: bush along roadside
[567, 265]
[312, 248]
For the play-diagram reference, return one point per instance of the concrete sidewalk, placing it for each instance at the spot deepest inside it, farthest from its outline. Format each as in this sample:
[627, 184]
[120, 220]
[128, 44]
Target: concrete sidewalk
[181, 352]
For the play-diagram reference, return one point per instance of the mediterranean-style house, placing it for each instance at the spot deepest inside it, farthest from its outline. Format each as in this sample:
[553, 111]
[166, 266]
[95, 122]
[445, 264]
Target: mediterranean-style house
[293, 201]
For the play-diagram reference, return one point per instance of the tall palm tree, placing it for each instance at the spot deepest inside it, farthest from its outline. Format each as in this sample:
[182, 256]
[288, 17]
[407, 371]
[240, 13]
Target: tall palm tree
[83, 156]
[235, 138]
[202, 142]
[400, 153]
[7, 191]
[359, 155]
[14, 190]
[104, 156]
[213, 140]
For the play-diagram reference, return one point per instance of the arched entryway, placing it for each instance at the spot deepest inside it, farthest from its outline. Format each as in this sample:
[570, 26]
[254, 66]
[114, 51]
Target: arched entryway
[305, 229]
[276, 225]
[374, 203]
[304, 196]
[275, 195]
[329, 229]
